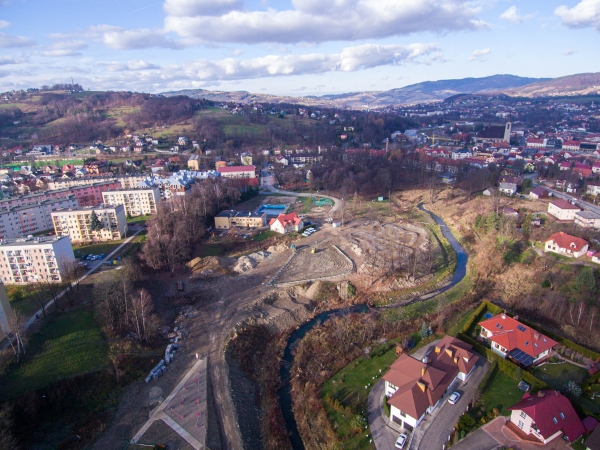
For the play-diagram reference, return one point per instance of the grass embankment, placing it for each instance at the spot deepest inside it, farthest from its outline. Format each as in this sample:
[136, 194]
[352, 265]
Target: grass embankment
[96, 249]
[23, 299]
[67, 345]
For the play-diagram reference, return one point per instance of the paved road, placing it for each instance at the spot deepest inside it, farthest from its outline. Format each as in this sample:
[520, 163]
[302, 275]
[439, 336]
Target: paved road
[442, 422]
[479, 440]
[383, 436]
[584, 205]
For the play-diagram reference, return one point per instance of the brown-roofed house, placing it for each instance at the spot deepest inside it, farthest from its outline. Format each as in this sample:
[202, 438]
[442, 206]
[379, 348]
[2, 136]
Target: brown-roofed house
[511, 339]
[415, 388]
[567, 245]
[562, 209]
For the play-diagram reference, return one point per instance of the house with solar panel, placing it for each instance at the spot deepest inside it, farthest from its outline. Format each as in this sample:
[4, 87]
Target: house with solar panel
[513, 340]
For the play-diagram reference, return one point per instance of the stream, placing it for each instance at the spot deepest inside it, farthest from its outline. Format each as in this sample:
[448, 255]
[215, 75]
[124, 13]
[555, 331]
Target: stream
[285, 395]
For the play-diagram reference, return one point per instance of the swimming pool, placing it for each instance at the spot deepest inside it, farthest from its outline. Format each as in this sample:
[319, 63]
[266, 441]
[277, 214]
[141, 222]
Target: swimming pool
[272, 210]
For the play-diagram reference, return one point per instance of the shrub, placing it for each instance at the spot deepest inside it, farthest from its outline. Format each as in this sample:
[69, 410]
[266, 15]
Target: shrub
[571, 390]
[358, 422]
[466, 422]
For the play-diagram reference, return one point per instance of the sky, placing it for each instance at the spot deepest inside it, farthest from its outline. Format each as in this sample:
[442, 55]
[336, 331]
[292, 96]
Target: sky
[290, 47]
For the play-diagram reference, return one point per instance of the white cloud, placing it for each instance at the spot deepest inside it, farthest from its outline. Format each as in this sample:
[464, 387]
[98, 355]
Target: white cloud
[129, 65]
[478, 55]
[4, 24]
[512, 15]
[121, 39]
[319, 21]
[183, 8]
[5, 60]
[583, 15]
[237, 52]
[68, 47]
[7, 41]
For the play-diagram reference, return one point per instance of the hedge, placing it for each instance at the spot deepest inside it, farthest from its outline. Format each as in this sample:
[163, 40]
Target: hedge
[485, 305]
[504, 365]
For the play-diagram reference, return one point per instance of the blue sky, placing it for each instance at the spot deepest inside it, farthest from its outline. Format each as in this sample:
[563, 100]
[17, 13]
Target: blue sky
[295, 47]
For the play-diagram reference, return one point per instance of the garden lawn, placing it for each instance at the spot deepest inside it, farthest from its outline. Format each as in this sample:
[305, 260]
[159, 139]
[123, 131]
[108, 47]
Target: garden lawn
[69, 344]
[264, 235]
[502, 392]
[210, 250]
[22, 299]
[348, 388]
[96, 249]
[556, 375]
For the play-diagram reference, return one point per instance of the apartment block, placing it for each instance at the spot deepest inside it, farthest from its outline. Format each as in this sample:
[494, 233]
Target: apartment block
[27, 260]
[137, 202]
[91, 194]
[77, 223]
[31, 219]
[126, 181]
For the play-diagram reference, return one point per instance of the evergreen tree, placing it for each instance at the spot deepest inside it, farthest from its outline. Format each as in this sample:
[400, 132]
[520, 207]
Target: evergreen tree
[95, 224]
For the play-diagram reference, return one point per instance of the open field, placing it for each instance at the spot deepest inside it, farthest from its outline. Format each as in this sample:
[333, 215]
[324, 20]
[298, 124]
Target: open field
[556, 375]
[69, 344]
[501, 392]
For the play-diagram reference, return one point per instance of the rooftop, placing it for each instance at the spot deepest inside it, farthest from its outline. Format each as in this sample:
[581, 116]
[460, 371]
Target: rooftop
[563, 204]
[233, 213]
[31, 240]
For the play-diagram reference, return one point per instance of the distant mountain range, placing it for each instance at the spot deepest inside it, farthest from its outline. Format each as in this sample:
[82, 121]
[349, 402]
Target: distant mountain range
[428, 91]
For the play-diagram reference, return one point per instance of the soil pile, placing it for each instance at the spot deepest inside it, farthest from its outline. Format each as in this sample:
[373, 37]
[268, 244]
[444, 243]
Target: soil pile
[246, 263]
[206, 266]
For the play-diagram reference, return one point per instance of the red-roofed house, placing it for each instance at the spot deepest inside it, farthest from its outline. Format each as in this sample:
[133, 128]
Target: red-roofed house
[562, 209]
[510, 338]
[536, 143]
[546, 415]
[538, 192]
[567, 245]
[596, 167]
[285, 223]
[415, 388]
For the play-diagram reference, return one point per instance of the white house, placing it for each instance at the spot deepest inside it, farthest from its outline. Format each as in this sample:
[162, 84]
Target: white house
[545, 416]
[562, 209]
[566, 245]
[508, 188]
[511, 339]
[414, 388]
[286, 223]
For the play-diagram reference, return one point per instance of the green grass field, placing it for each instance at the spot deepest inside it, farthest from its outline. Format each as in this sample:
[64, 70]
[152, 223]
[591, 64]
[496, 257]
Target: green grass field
[96, 249]
[210, 250]
[21, 298]
[501, 392]
[264, 235]
[67, 345]
[556, 375]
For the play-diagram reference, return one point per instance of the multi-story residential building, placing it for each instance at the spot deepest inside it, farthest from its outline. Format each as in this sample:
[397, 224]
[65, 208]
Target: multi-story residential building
[194, 162]
[237, 171]
[137, 202]
[587, 219]
[91, 194]
[27, 260]
[77, 223]
[230, 218]
[29, 219]
[127, 181]
[562, 209]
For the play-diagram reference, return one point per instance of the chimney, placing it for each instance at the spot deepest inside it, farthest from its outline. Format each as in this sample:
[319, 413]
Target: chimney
[449, 352]
[455, 360]
[437, 349]
[423, 370]
[540, 393]
[421, 385]
[503, 316]
[516, 317]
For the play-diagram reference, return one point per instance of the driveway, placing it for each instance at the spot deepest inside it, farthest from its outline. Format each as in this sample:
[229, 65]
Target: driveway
[433, 431]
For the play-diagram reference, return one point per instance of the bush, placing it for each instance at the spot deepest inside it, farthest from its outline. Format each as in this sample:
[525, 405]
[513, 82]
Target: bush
[358, 422]
[466, 422]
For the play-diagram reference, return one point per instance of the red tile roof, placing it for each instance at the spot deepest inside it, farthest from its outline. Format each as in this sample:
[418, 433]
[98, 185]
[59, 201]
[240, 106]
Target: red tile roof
[236, 169]
[564, 240]
[421, 385]
[563, 204]
[511, 334]
[551, 411]
[286, 219]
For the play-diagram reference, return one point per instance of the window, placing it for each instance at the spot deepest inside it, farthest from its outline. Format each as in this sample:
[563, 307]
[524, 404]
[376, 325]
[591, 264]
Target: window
[521, 425]
[523, 415]
[554, 420]
[562, 416]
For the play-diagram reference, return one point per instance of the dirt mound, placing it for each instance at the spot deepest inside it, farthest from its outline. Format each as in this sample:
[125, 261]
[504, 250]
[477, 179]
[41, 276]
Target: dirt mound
[277, 248]
[246, 263]
[206, 266]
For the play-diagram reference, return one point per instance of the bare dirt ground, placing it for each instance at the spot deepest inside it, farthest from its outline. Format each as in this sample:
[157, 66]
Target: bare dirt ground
[216, 305]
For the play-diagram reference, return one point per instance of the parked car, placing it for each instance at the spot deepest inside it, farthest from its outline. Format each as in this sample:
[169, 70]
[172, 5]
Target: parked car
[401, 441]
[453, 398]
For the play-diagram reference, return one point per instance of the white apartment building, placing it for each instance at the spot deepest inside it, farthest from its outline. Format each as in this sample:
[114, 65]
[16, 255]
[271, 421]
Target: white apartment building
[77, 223]
[27, 260]
[127, 181]
[137, 202]
[30, 219]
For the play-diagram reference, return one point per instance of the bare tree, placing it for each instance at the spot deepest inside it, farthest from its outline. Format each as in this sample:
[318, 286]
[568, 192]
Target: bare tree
[16, 322]
[141, 308]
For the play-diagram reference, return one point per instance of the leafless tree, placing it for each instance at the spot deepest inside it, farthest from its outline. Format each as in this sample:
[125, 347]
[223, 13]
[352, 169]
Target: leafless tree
[141, 308]
[16, 322]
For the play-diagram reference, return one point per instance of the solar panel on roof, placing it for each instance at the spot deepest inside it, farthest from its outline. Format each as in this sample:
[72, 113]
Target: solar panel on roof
[521, 357]
[521, 328]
